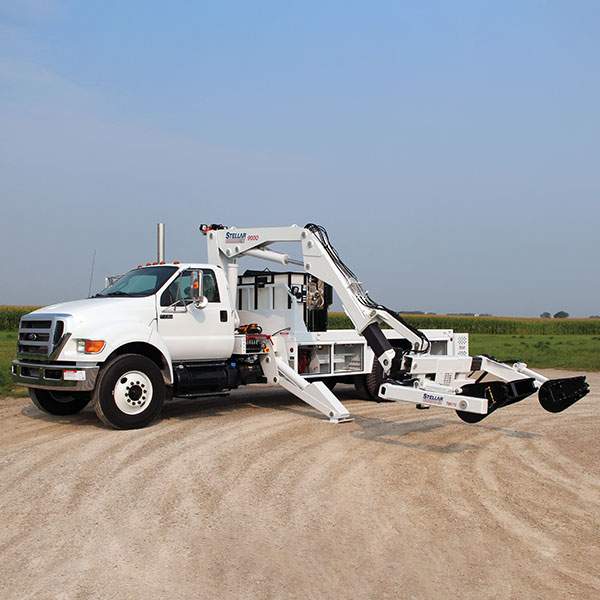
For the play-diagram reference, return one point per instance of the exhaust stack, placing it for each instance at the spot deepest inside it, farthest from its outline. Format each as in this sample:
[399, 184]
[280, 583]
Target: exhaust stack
[160, 242]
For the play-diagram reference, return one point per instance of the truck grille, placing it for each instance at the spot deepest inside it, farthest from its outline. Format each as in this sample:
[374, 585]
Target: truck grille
[39, 337]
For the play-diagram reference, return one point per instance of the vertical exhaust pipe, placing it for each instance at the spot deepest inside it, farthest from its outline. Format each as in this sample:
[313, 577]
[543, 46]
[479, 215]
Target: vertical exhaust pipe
[160, 242]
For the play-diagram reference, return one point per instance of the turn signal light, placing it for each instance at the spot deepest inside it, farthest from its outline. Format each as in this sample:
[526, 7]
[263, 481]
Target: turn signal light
[90, 346]
[94, 346]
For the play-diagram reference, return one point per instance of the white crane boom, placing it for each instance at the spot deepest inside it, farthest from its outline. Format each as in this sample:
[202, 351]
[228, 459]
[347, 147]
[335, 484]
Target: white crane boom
[226, 246]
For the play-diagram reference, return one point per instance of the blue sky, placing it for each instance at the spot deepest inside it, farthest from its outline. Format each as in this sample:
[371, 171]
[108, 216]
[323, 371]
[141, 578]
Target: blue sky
[450, 148]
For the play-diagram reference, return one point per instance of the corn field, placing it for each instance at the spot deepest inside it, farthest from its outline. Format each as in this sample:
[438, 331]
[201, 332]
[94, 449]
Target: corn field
[10, 316]
[497, 325]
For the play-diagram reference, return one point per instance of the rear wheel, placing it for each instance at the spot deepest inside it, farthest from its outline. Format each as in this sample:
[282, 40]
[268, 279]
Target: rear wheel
[130, 392]
[368, 385]
[374, 380]
[58, 402]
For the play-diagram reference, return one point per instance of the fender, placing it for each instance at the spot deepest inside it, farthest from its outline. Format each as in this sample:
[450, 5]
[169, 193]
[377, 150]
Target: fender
[118, 334]
[157, 341]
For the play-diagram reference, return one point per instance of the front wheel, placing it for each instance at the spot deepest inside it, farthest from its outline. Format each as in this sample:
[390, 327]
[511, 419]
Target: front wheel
[130, 392]
[58, 402]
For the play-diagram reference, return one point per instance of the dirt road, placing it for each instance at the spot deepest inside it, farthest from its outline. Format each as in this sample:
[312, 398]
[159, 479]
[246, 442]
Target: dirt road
[255, 497]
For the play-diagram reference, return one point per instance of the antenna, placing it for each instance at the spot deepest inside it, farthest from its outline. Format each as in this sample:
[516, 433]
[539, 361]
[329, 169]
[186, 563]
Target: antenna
[92, 273]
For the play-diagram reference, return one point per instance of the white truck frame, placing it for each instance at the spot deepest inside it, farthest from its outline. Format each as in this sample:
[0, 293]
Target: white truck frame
[127, 357]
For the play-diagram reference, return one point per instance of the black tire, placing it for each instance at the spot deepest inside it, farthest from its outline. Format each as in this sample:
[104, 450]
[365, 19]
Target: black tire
[58, 402]
[374, 379]
[367, 385]
[470, 418]
[114, 378]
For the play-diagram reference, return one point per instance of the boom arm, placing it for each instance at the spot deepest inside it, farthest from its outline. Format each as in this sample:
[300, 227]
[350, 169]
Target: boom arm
[226, 245]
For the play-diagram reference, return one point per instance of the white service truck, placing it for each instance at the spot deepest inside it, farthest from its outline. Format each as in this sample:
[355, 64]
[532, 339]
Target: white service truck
[167, 330]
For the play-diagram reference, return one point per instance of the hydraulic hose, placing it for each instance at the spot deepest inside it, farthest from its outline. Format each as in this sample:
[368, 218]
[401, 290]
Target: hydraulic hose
[361, 294]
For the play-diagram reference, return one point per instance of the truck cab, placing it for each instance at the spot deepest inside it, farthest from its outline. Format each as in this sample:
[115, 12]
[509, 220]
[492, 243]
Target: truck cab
[151, 322]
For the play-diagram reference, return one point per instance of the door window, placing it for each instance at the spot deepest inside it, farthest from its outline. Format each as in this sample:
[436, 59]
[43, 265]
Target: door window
[180, 290]
[209, 286]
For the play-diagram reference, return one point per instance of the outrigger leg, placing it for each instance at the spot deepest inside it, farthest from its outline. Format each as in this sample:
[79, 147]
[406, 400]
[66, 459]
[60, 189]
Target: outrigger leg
[316, 394]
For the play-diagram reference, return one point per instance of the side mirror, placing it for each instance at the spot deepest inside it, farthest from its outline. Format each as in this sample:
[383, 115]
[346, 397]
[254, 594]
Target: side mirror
[200, 301]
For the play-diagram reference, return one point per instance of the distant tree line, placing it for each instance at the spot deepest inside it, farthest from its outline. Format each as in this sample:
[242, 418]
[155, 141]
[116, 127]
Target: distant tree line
[562, 314]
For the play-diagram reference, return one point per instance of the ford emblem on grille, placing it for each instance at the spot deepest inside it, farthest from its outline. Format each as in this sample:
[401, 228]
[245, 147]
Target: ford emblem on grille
[32, 337]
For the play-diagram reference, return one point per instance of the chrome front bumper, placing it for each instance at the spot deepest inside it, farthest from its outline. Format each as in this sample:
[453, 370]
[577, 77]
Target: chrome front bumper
[52, 376]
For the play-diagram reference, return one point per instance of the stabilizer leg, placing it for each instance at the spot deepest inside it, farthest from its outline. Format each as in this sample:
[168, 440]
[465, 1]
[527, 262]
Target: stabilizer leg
[316, 394]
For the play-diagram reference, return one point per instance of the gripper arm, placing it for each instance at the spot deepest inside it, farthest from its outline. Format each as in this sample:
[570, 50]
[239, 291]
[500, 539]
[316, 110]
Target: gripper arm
[226, 245]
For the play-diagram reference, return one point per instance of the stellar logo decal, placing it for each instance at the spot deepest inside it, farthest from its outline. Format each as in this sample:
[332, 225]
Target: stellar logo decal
[433, 398]
[239, 237]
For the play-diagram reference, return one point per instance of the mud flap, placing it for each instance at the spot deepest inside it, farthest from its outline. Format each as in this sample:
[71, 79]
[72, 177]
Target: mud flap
[556, 395]
[499, 395]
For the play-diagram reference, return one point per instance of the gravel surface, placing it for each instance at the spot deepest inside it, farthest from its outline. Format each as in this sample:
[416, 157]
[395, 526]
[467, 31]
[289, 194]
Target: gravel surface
[254, 496]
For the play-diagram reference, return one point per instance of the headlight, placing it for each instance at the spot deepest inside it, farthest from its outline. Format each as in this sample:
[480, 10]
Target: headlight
[90, 346]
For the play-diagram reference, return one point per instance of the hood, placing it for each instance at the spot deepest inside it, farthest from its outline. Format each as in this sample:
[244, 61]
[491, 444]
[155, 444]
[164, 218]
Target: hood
[116, 309]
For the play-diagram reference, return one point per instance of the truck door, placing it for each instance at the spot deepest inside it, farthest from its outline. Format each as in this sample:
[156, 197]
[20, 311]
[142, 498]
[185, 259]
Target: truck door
[193, 333]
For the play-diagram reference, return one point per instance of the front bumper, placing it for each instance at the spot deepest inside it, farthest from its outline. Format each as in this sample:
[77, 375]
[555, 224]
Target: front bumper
[50, 376]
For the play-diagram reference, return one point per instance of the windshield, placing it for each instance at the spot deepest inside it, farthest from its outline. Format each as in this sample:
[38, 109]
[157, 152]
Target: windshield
[139, 282]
